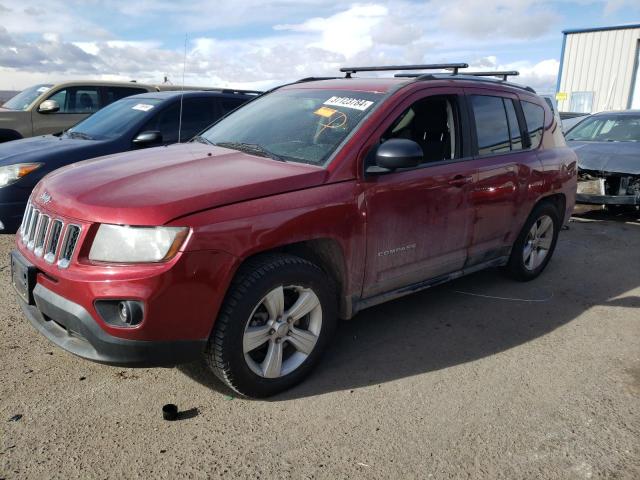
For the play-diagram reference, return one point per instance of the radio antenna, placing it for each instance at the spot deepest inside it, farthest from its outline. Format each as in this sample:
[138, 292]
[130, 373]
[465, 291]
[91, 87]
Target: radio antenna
[184, 63]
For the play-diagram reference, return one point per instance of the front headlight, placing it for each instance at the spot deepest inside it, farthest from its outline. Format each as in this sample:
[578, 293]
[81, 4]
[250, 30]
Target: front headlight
[121, 244]
[12, 173]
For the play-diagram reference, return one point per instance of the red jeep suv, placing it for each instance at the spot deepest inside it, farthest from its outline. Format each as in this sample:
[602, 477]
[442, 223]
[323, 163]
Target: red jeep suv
[310, 203]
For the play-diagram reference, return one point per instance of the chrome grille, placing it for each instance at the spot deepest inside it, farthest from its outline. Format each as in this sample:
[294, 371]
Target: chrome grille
[47, 236]
[69, 243]
[33, 226]
[53, 240]
[41, 234]
[26, 219]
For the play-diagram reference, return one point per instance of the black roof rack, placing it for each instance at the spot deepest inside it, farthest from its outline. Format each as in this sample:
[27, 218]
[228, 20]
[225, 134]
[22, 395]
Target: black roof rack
[348, 71]
[467, 76]
[453, 75]
[503, 74]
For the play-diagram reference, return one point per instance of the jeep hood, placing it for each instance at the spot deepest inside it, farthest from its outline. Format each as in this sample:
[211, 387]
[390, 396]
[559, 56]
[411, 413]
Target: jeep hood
[157, 185]
[611, 157]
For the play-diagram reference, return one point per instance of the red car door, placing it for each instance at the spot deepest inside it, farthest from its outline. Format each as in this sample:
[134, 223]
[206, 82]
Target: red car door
[503, 171]
[418, 220]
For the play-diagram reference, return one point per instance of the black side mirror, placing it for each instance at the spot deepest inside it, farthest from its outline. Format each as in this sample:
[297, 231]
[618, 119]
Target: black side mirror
[148, 138]
[396, 153]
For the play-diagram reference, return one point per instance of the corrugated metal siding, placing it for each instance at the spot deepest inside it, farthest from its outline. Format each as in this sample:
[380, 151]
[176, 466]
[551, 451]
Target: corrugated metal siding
[602, 63]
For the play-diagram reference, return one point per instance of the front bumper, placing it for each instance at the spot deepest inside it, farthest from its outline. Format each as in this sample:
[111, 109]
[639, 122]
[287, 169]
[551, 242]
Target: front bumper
[180, 301]
[592, 199]
[71, 327]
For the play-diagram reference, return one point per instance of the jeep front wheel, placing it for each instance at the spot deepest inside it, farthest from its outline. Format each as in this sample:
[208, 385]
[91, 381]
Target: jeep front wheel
[274, 325]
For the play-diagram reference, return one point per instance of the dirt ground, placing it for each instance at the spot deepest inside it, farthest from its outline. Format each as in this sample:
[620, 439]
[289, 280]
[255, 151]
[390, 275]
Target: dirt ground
[481, 378]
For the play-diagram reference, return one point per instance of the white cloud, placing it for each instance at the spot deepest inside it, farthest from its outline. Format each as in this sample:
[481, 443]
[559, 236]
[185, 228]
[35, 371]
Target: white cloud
[291, 39]
[347, 33]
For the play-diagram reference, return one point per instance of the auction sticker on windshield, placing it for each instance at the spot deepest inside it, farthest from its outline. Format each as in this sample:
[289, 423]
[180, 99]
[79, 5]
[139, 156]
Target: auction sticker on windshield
[144, 107]
[347, 102]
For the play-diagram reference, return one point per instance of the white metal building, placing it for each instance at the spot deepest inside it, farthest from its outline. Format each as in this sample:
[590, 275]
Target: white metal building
[599, 69]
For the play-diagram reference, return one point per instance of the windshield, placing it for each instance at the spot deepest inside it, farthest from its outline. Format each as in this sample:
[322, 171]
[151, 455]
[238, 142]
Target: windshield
[607, 128]
[114, 119]
[302, 125]
[25, 98]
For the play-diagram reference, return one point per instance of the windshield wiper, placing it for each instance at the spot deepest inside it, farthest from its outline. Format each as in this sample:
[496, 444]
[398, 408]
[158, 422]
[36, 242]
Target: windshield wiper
[201, 139]
[84, 136]
[252, 148]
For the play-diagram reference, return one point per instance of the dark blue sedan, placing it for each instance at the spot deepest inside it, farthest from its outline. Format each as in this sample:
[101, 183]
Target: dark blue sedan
[139, 121]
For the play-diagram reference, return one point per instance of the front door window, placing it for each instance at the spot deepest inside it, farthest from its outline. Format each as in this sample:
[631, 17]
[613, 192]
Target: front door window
[83, 100]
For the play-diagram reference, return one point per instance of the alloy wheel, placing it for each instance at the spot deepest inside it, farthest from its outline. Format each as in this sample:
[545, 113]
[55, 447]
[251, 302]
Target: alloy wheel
[282, 331]
[538, 242]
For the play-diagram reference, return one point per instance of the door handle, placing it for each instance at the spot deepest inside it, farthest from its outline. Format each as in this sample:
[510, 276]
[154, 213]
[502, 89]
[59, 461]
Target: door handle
[460, 180]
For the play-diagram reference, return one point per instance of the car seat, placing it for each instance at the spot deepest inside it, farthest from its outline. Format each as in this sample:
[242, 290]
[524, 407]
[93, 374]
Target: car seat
[86, 103]
[430, 129]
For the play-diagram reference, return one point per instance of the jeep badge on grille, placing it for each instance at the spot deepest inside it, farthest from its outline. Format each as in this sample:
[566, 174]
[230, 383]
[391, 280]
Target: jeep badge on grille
[45, 197]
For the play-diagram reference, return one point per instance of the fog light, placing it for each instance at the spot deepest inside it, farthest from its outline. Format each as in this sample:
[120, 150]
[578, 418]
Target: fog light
[125, 312]
[130, 312]
[121, 313]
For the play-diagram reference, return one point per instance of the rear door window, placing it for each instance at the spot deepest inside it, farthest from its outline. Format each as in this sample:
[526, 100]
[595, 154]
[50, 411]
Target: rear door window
[492, 126]
[534, 116]
[197, 114]
[116, 93]
[227, 105]
[497, 127]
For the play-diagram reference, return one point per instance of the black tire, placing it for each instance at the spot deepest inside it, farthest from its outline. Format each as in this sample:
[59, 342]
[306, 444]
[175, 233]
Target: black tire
[7, 135]
[516, 267]
[257, 277]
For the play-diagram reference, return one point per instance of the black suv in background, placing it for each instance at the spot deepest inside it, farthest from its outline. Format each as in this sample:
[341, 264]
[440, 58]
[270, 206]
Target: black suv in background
[145, 120]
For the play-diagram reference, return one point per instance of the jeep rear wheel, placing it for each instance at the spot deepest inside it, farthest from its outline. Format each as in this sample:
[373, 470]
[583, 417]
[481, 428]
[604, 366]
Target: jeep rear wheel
[535, 244]
[274, 325]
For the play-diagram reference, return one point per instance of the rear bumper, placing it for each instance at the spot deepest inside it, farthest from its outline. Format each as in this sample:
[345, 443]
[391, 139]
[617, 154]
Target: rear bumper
[592, 199]
[71, 327]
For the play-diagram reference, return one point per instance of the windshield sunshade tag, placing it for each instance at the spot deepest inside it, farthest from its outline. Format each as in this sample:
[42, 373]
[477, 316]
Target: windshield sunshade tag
[143, 107]
[347, 102]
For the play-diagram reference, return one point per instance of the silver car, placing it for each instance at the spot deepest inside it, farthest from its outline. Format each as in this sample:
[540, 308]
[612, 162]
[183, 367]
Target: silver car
[608, 149]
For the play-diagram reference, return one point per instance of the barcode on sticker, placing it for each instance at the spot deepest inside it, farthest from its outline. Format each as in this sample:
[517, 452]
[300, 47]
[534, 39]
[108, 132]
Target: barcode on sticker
[347, 102]
[142, 106]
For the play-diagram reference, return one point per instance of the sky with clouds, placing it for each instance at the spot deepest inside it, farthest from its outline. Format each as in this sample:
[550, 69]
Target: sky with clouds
[258, 44]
